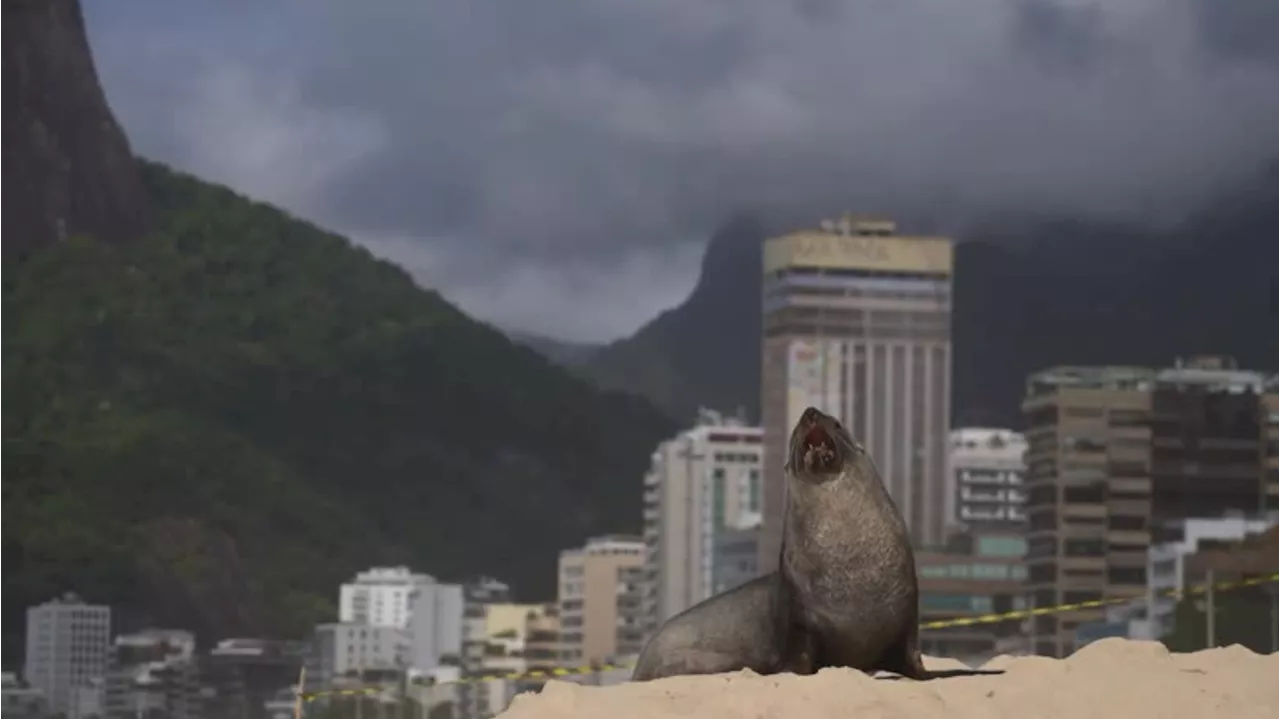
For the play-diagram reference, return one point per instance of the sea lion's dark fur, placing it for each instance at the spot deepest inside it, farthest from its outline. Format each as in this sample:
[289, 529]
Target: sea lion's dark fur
[845, 593]
[734, 630]
[846, 559]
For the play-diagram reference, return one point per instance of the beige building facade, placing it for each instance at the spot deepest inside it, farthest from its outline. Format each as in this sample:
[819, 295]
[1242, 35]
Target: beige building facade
[857, 322]
[1118, 458]
[600, 600]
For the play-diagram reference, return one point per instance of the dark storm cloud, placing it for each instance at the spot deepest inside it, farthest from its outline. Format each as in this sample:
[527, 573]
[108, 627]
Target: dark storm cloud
[1056, 34]
[1238, 30]
[553, 164]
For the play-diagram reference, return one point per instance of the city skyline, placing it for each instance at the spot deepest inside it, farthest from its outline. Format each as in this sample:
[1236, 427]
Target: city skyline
[283, 441]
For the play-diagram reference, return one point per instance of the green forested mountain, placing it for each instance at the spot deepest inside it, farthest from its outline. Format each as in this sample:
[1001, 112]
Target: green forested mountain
[213, 425]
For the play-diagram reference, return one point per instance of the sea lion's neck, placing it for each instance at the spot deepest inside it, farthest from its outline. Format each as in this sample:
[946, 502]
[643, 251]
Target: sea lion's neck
[843, 518]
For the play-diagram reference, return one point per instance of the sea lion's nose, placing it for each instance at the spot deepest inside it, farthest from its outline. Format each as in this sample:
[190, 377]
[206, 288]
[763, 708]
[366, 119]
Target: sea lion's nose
[810, 416]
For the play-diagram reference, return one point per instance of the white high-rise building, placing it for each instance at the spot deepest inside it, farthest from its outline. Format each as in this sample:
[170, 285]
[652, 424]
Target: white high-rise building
[984, 479]
[703, 482]
[435, 625]
[67, 648]
[345, 647]
[427, 611]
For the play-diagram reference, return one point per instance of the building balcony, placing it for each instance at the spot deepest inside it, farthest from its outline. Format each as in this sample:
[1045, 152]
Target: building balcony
[968, 494]
[981, 514]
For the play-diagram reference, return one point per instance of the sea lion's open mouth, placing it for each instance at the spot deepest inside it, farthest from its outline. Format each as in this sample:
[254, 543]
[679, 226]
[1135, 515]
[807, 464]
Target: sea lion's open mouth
[820, 453]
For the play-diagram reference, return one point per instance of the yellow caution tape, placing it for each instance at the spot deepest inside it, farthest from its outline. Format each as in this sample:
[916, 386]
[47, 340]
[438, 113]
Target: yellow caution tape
[940, 624]
[514, 676]
[1093, 604]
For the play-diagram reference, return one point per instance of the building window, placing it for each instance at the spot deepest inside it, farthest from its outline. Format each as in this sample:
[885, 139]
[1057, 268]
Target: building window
[1042, 520]
[1136, 524]
[1042, 573]
[1080, 596]
[1041, 547]
[1126, 575]
[717, 498]
[1084, 547]
[1092, 494]
[955, 602]
[1042, 495]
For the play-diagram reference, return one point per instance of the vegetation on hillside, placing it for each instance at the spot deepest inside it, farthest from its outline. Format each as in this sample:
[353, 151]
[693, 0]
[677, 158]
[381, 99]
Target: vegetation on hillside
[1246, 617]
[214, 425]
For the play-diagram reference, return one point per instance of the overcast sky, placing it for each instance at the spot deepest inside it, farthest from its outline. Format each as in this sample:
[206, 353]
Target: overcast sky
[556, 165]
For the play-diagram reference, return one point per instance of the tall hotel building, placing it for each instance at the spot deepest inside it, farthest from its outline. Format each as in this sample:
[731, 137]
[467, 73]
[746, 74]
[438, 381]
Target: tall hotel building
[857, 322]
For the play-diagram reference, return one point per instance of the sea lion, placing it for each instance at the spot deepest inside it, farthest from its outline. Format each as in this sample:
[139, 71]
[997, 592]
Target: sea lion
[847, 569]
[845, 593]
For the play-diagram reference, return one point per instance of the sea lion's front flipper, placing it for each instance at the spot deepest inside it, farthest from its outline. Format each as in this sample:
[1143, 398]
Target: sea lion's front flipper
[800, 651]
[903, 656]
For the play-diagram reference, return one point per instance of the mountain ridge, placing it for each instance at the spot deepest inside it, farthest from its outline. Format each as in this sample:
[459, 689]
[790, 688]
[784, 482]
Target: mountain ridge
[68, 167]
[1052, 278]
[214, 417]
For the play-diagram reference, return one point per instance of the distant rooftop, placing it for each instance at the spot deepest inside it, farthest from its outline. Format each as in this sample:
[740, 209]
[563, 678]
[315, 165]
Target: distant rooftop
[615, 539]
[1217, 373]
[70, 599]
[712, 418]
[606, 544]
[986, 437]
[1084, 377]
[392, 576]
[861, 244]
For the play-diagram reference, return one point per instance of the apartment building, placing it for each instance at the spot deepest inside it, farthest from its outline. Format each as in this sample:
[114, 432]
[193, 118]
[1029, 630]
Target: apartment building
[985, 491]
[857, 322]
[700, 484]
[1116, 457]
[479, 700]
[347, 650]
[975, 574]
[600, 600]
[153, 673]
[542, 638]
[20, 700]
[240, 676]
[67, 648]
[735, 559]
[429, 612]
[1270, 440]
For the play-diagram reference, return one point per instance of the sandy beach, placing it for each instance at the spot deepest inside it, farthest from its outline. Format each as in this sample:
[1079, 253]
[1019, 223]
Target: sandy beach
[1110, 679]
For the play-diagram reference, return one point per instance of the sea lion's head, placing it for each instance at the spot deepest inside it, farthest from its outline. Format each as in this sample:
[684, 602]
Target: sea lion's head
[820, 447]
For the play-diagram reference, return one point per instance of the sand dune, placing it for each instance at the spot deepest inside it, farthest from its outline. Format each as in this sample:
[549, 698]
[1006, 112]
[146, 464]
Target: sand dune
[1110, 679]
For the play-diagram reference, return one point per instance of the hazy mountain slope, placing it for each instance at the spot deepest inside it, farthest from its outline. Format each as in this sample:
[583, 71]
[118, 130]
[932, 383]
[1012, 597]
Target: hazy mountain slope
[562, 352]
[705, 352]
[1029, 292]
